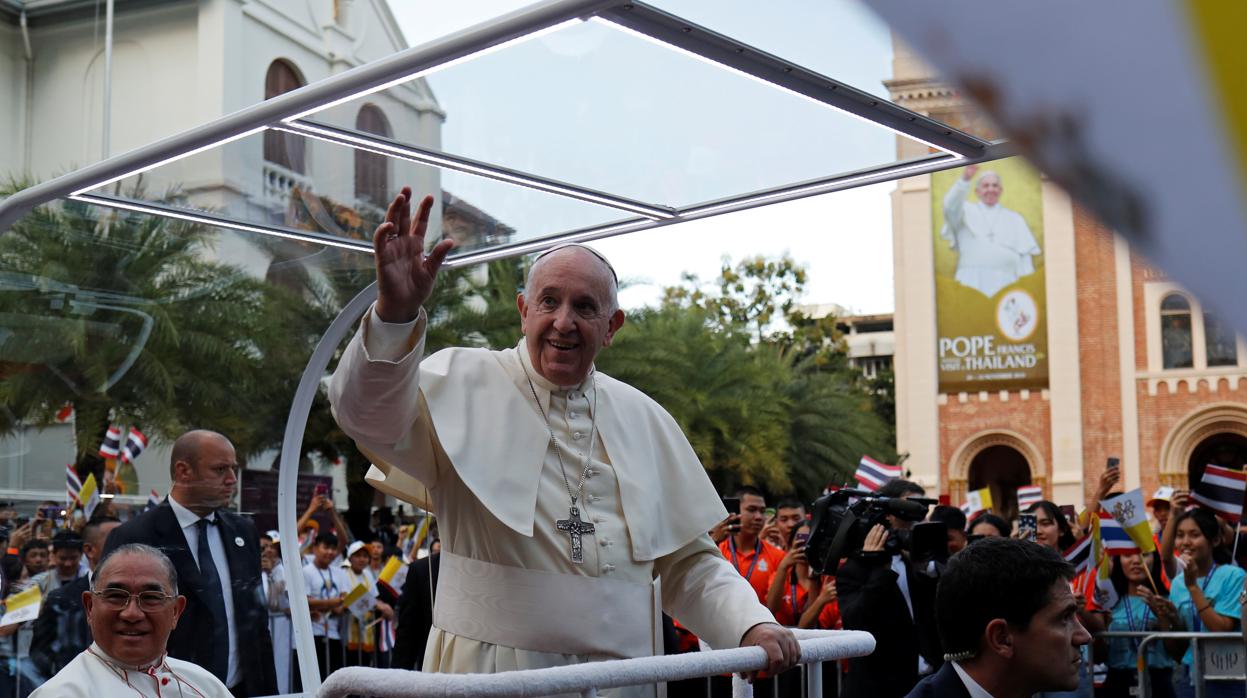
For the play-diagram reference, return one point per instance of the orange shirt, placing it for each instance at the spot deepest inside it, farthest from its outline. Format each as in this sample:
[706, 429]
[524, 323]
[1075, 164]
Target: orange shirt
[787, 615]
[756, 567]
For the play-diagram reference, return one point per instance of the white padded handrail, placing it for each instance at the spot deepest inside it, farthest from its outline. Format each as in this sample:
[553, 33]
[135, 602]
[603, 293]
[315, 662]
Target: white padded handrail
[816, 646]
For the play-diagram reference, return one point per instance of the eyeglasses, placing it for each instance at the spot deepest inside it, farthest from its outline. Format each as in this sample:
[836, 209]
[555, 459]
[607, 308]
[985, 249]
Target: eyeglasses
[119, 599]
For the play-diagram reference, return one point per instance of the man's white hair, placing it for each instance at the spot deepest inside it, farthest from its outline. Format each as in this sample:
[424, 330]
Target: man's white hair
[990, 173]
[613, 285]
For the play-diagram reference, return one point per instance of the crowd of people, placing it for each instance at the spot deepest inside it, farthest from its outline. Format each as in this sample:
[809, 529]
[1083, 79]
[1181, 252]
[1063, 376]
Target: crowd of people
[1189, 583]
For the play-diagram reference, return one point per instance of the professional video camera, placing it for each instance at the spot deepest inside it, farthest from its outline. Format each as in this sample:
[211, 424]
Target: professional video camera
[843, 518]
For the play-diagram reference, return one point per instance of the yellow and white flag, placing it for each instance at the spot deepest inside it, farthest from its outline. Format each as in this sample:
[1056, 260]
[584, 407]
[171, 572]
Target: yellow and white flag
[976, 501]
[1128, 510]
[89, 495]
[1140, 117]
[22, 606]
[392, 566]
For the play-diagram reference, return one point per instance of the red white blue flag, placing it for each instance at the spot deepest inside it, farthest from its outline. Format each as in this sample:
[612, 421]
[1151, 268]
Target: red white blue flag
[1113, 536]
[111, 447]
[73, 486]
[153, 500]
[135, 444]
[1029, 496]
[1221, 489]
[871, 474]
[1079, 555]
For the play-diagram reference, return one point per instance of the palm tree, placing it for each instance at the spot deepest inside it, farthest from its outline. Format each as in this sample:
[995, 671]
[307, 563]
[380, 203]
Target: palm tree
[125, 316]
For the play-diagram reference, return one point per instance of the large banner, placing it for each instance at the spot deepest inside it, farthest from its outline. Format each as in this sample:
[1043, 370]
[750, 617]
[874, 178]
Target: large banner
[990, 290]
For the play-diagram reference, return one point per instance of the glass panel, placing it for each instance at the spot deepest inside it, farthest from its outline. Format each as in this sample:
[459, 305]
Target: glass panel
[1175, 337]
[1222, 345]
[235, 181]
[154, 326]
[616, 112]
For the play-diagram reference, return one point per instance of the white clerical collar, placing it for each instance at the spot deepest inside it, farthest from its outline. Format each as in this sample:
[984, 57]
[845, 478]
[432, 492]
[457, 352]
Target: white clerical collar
[543, 385]
[972, 686]
[186, 517]
[99, 652]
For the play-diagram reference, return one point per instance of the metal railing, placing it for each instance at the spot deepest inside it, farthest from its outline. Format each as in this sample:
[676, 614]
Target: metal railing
[817, 646]
[1231, 666]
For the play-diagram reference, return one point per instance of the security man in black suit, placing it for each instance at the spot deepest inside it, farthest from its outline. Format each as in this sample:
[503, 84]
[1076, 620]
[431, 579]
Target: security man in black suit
[217, 555]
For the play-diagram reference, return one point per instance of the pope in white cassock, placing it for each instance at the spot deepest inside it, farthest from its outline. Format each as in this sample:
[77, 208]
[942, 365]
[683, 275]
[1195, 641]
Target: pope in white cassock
[562, 495]
[994, 245]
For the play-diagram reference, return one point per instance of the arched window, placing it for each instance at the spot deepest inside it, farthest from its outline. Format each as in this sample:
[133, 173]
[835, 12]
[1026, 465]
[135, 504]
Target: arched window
[285, 149]
[1220, 342]
[372, 181]
[1175, 331]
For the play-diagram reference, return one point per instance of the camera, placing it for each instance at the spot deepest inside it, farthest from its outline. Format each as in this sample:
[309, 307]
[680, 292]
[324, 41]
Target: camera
[842, 519]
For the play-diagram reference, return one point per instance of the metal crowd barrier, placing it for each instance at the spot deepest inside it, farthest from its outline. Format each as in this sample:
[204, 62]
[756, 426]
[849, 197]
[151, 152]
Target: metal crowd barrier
[1218, 656]
[817, 646]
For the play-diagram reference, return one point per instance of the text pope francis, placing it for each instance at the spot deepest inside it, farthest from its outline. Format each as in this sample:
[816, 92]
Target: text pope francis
[569, 503]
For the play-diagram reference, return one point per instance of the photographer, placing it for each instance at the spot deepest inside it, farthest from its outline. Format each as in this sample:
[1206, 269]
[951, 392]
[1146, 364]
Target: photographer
[887, 596]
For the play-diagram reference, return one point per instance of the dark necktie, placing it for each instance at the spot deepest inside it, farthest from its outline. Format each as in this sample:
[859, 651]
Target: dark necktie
[214, 599]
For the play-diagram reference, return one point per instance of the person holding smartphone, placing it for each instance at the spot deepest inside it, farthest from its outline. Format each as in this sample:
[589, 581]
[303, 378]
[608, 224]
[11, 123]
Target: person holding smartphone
[792, 586]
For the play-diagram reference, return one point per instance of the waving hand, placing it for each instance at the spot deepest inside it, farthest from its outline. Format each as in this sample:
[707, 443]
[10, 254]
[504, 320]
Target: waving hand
[405, 274]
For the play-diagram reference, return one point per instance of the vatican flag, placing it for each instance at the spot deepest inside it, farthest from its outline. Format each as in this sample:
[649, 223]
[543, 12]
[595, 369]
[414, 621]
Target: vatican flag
[1142, 118]
[89, 495]
[976, 501]
[22, 606]
[1127, 509]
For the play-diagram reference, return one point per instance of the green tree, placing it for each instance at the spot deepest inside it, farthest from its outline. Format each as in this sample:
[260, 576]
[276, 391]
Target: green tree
[126, 316]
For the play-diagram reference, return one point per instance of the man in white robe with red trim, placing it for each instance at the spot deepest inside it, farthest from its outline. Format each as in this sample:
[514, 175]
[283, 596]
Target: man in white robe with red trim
[561, 493]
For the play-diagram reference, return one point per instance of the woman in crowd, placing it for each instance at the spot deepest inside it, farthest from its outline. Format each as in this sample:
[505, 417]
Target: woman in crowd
[1054, 531]
[791, 585]
[1203, 597]
[1133, 613]
[986, 524]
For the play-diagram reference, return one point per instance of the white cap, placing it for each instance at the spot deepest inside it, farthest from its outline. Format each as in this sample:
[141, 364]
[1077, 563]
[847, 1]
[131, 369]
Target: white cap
[273, 536]
[1162, 494]
[354, 548]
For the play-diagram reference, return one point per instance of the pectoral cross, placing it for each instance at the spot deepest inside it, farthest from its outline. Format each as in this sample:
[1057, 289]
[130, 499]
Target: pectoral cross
[575, 528]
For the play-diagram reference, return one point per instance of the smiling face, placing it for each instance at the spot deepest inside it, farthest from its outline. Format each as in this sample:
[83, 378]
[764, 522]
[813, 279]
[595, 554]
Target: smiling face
[568, 314]
[132, 635]
[1047, 529]
[1046, 654]
[989, 188]
[1132, 568]
[1191, 540]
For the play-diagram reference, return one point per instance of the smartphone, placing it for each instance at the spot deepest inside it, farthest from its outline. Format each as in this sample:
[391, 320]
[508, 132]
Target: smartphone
[732, 504]
[802, 539]
[322, 490]
[770, 513]
[1113, 462]
[1027, 524]
[1067, 510]
[50, 512]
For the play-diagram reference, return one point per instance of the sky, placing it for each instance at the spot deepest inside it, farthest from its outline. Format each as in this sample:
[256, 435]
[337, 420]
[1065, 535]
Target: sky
[600, 108]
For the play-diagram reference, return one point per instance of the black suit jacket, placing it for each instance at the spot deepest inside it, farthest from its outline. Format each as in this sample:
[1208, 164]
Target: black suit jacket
[942, 684]
[159, 528]
[415, 613]
[61, 632]
[870, 600]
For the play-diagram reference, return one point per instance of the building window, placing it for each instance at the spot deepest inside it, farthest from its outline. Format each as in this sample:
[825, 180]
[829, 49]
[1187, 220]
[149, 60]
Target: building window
[1221, 346]
[280, 148]
[372, 181]
[1175, 332]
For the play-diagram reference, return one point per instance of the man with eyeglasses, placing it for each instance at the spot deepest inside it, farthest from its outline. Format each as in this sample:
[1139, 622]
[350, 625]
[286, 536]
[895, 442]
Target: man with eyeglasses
[217, 556]
[133, 605]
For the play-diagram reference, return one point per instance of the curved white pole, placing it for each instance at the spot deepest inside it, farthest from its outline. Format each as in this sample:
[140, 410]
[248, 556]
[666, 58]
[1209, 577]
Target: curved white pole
[288, 480]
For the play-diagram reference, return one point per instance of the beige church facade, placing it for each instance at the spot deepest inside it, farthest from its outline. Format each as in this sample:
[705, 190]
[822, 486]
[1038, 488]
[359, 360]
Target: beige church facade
[1136, 368]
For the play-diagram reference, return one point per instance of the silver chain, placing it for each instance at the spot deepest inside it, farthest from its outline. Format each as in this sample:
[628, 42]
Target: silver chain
[593, 431]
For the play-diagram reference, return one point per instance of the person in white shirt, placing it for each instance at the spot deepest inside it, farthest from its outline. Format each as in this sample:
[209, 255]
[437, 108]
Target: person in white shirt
[132, 608]
[1008, 621]
[326, 586]
[994, 245]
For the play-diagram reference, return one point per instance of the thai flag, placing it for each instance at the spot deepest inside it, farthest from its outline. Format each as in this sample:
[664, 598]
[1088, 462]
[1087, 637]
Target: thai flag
[153, 500]
[73, 486]
[1221, 489]
[1029, 496]
[65, 415]
[1079, 555]
[135, 443]
[111, 448]
[871, 474]
[1114, 538]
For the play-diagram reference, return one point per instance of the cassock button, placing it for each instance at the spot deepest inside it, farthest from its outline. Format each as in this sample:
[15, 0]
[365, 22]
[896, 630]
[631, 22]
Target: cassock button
[577, 436]
[572, 415]
[608, 568]
[594, 498]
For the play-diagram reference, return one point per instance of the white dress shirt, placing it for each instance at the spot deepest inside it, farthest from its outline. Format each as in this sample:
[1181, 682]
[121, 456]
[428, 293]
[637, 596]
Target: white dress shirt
[187, 520]
[972, 686]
